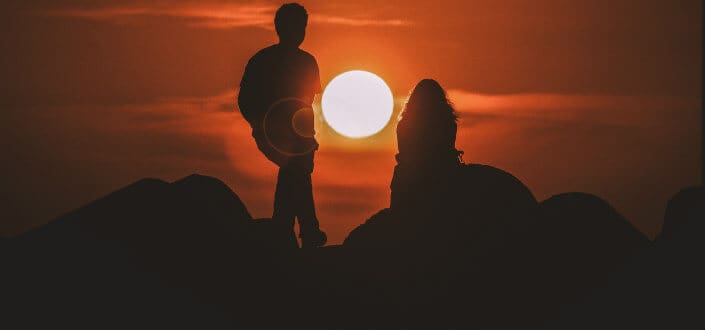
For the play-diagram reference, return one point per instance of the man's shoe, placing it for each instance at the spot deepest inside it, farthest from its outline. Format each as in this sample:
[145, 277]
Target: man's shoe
[314, 239]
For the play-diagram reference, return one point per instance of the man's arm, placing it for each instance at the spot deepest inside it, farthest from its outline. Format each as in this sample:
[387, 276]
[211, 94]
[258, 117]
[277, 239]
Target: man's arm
[247, 97]
[316, 79]
[246, 103]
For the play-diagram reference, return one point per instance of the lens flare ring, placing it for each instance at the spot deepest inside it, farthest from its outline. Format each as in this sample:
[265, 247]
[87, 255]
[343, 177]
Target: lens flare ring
[305, 136]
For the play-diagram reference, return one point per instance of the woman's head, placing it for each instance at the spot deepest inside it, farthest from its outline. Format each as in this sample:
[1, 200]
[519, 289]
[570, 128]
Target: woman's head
[429, 99]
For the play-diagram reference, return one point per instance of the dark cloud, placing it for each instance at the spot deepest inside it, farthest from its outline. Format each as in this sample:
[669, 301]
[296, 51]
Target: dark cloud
[60, 61]
[593, 47]
[217, 15]
[596, 47]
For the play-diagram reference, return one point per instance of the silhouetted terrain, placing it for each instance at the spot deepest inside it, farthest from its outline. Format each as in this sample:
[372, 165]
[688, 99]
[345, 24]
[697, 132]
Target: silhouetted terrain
[483, 253]
[663, 287]
[152, 253]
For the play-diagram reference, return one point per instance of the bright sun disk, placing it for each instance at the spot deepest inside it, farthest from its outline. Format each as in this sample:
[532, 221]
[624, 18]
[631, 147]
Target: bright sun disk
[357, 104]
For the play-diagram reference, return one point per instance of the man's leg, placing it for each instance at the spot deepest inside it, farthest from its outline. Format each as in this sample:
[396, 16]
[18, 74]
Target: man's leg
[308, 222]
[285, 204]
[311, 235]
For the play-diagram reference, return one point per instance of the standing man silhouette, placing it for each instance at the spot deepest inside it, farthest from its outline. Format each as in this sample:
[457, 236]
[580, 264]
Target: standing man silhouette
[276, 93]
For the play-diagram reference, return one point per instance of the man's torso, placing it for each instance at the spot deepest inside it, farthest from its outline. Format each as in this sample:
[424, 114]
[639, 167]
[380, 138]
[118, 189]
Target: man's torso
[273, 76]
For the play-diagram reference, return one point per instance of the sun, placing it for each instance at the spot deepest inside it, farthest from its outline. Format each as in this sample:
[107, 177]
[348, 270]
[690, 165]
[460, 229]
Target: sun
[357, 104]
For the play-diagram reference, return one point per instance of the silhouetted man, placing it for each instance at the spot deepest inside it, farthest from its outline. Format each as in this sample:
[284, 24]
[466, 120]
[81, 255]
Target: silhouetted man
[276, 92]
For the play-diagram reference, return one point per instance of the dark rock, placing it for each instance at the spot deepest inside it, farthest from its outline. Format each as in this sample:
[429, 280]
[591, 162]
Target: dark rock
[480, 253]
[684, 206]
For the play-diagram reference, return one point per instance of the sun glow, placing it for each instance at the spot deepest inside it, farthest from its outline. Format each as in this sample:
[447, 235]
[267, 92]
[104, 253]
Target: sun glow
[357, 104]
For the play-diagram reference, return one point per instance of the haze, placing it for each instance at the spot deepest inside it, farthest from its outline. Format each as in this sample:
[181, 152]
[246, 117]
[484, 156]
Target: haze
[595, 96]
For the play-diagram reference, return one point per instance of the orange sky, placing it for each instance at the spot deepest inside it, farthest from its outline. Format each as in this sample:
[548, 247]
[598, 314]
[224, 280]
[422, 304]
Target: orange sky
[596, 96]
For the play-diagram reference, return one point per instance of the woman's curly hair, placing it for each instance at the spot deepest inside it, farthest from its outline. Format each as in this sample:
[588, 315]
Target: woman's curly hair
[427, 100]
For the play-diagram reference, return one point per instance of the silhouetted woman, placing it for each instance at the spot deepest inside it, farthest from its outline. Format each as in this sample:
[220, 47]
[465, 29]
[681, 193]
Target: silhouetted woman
[427, 157]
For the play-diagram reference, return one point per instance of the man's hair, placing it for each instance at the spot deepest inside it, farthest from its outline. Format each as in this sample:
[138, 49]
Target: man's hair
[290, 15]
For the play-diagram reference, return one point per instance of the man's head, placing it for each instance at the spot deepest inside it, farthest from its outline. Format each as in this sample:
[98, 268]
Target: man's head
[290, 22]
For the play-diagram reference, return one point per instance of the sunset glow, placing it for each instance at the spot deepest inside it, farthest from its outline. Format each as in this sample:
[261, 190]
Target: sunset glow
[603, 97]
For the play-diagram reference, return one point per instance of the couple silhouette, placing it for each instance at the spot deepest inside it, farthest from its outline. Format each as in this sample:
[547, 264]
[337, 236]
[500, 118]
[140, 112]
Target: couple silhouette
[276, 92]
